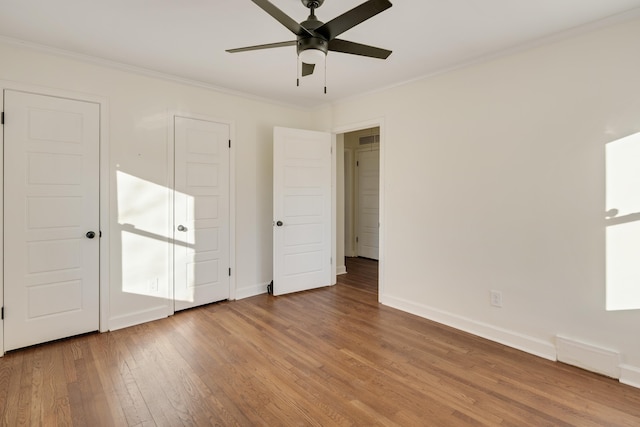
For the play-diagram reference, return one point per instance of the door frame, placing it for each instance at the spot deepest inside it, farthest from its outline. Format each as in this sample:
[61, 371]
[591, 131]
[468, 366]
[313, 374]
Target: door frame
[232, 196]
[376, 122]
[104, 177]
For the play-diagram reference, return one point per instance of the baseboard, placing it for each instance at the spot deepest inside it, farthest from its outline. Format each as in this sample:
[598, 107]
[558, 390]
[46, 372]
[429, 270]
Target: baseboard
[143, 316]
[512, 339]
[630, 375]
[586, 356]
[597, 359]
[341, 269]
[251, 291]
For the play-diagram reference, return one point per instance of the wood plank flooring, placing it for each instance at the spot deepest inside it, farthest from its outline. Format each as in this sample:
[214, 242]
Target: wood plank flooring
[326, 357]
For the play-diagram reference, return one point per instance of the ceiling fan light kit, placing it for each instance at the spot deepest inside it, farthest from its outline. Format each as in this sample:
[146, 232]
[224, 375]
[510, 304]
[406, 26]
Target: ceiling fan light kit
[312, 56]
[316, 38]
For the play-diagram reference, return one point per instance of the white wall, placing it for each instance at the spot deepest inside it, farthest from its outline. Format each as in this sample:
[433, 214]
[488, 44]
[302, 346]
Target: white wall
[494, 179]
[140, 107]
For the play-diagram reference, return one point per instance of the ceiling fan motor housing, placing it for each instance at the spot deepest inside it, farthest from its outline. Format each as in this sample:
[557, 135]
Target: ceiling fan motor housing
[312, 3]
[316, 41]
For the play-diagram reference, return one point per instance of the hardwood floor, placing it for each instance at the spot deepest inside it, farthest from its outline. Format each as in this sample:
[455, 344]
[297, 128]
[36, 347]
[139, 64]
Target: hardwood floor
[331, 356]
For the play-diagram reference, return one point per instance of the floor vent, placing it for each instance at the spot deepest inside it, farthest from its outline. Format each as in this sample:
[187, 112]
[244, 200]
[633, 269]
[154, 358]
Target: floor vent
[589, 357]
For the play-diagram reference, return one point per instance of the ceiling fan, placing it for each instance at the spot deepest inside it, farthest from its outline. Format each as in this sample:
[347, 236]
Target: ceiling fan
[315, 38]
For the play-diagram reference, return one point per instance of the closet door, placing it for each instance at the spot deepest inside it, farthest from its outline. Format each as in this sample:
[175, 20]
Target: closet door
[51, 218]
[201, 212]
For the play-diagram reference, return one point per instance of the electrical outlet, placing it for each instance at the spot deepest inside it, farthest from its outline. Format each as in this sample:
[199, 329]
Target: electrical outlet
[496, 298]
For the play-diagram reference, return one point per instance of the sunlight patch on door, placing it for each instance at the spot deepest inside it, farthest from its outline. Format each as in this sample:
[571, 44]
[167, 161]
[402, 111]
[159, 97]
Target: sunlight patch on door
[623, 223]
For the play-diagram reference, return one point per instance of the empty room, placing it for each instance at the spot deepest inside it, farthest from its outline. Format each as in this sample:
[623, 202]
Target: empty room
[320, 212]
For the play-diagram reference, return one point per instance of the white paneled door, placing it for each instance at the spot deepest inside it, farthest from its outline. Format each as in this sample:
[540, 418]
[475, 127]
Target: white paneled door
[368, 203]
[201, 216]
[302, 210]
[51, 218]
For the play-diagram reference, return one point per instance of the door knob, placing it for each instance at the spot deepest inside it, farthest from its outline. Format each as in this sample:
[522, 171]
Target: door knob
[279, 223]
[182, 228]
[90, 234]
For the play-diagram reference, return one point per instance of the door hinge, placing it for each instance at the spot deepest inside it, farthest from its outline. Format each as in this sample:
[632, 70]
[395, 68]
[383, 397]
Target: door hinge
[357, 163]
[2, 118]
[331, 150]
[2, 313]
[229, 143]
[356, 239]
[229, 271]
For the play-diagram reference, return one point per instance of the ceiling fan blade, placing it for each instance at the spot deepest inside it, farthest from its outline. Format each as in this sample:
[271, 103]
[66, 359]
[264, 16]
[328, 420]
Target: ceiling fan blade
[307, 69]
[344, 46]
[262, 46]
[282, 17]
[350, 19]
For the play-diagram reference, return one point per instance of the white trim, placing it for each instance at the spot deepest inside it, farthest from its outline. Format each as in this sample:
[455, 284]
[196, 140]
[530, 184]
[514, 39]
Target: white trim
[2, 87]
[137, 317]
[105, 217]
[341, 270]
[251, 291]
[509, 338]
[349, 194]
[121, 66]
[562, 35]
[630, 375]
[232, 211]
[587, 356]
[232, 194]
[171, 137]
[378, 122]
[105, 177]
[334, 212]
[533, 44]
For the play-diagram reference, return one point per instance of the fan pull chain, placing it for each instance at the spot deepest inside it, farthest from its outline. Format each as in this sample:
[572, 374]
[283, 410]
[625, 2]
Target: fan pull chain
[325, 75]
[298, 71]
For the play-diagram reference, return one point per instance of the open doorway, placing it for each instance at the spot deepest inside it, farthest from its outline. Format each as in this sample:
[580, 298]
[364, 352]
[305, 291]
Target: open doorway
[358, 182]
[362, 275]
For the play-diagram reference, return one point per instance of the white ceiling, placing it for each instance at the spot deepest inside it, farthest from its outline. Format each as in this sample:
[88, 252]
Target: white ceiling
[188, 38]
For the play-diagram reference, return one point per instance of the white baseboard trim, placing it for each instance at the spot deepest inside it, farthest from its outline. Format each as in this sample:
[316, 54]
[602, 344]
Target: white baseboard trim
[341, 269]
[143, 316]
[251, 291]
[586, 356]
[513, 339]
[630, 375]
